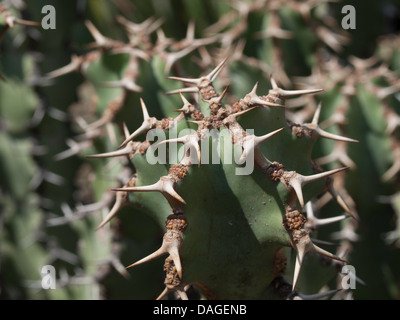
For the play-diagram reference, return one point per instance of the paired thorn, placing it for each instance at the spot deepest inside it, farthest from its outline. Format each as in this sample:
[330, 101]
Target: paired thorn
[253, 99]
[322, 133]
[217, 100]
[314, 223]
[186, 104]
[251, 142]
[100, 40]
[303, 247]
[199, 82]
[296, 181]
[147, 124]
[339, 199]
[172, 243]
[190, 142]
[338, 154]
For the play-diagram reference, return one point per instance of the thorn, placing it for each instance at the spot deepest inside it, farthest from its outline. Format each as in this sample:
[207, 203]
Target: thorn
[187, 80]
[273, 83]
[146, 125]
[190, 141]
[163, 293]
[130, 148]
[133, 52]
[185, 90]
[171, 245]
[297, 181]
[126, 83]
[347, 233]
[214, 73]
[237, 114]
[186, 104]
[218, 100]
[317, 113]
[119, 203]
[339, 199]
[252, 98]
[126, 131]
[338, 153]
[73, 66]
[289, 93]
[182, 294]
[301, 252]
[164, 185]
[327, 135]
[303, 247]
[300, 296]
[250, 142]
[202, 81]
[175, 56]
[100, 40]
[144, 110]
[394, 169]
[195, 122]
[314, 223]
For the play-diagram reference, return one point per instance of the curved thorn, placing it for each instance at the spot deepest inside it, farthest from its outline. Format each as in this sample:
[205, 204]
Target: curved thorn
[174, 254]
[341, 202]
[317, 113]
[144, 110]
[182, 294]
[186, 103]
[392, 171]
[325, 253]
[119, 202]
[273, 83]
[163, 294]
[99, 38]
[317, 296]
[301, 252]
[297, 187]
[71, 67]
[169, 189]
[126, 131]
[176, 140]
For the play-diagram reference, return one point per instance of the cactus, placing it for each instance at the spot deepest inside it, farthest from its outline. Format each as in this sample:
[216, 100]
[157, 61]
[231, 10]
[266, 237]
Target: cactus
[281, 149]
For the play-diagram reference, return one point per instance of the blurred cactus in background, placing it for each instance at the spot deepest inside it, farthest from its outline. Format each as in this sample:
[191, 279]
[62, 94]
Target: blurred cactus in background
[281, 84]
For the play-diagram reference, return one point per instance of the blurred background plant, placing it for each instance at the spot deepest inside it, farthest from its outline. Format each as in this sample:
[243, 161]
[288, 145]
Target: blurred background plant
[52, 197]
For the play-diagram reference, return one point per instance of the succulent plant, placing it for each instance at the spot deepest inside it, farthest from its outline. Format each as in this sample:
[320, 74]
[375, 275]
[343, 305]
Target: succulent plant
[251, 154]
